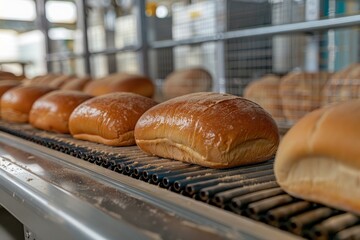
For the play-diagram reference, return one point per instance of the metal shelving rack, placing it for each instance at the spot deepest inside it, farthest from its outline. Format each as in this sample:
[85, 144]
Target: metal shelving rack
[144, 45]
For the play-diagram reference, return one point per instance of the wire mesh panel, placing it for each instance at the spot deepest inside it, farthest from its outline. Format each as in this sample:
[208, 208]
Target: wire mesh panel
[203, 18]
[203, 55]
[306, 67]
[126, 31]
[161, 65]
[162, 62]
[302, 63]
[246, 14]
[127, 62]
[246, 59]
[185, 58]
[298, 84]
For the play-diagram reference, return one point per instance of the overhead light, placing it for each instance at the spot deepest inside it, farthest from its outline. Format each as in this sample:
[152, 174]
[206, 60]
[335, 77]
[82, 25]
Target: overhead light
[162, 11]
[60, 11]
[22, 10]
[61, 34]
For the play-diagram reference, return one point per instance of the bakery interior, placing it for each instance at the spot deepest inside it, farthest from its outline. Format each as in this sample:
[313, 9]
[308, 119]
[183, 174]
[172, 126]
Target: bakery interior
[179, 119]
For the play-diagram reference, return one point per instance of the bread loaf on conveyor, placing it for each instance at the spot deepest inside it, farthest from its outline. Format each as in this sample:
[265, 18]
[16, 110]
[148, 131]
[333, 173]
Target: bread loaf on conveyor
[344, 85]
[109, 119]
[265, 92]
[186, 81]
[301, 93]
[51, 112]
[209, 129]
[4, 75]
[6, 85]
[319, 158]
[59, 81]
[16, 103]
[76, 84]
[10, 76]
[121, 82]
[43, 80]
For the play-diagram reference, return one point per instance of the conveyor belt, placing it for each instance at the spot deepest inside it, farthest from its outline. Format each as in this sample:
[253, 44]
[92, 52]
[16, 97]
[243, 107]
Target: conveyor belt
[250, 191]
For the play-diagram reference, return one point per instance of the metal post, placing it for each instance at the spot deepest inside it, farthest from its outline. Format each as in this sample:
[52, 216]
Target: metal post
[43, 25]
[142, 33]
[312, 48]
[331, 38]
[82, 24]
[219, 81]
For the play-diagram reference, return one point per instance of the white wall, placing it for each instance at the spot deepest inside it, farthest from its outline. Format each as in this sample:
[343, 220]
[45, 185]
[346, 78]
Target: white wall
[31, 47]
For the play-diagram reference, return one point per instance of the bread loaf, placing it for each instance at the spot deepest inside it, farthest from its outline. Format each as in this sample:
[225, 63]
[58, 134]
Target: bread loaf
[6, 75]
[77, 84]
[121, 82]
[301, 93]
[186, 81]
[209, 129]
[319, 158]
[109, 119]
[10, 76]
[43, 80]
[16, 103]
[344, 85]
[59, 81]
[6, 85]
[51, 112]
[265, 92]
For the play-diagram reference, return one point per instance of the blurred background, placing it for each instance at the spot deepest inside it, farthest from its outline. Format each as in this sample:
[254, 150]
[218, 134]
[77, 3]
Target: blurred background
[41, 33]
[236, 41]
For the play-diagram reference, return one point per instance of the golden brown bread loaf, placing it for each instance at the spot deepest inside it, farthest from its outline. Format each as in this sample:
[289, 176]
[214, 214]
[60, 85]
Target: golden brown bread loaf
[319, 158]
[51, 112]
[209, 129]
[344, 85]
[301, 93]
[43, 80]
[121, 82]
[4, 75]
[6, 85]
[265, 92]
[16, 103]
[10, 76]
[109, 119]
[77, 84]
[187, 81]
[59, 81]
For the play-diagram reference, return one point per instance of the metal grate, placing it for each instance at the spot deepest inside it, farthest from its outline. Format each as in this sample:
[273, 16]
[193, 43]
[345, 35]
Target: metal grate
[233, 64]
[236, 63]
[250, 191]
[246, 60]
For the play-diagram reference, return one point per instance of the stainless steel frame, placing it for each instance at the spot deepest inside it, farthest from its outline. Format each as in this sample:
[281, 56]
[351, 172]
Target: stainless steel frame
[309, 26]
[61, 197]
[81, 7]
[145, 44]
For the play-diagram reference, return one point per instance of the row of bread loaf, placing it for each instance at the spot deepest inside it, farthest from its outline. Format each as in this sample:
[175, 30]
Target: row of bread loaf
[289, 98]
[318, 159]
[111, 83]
[176, 84]
[5, 75]
[210, 129]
